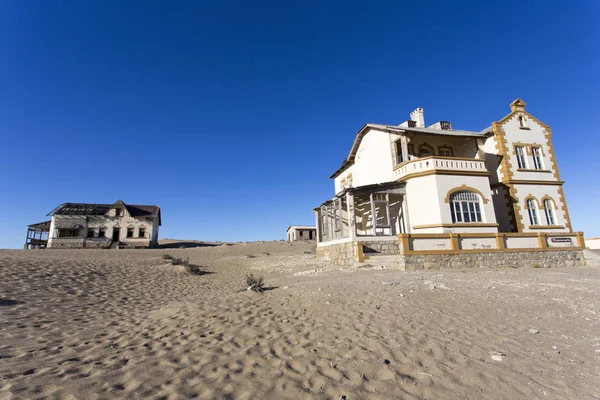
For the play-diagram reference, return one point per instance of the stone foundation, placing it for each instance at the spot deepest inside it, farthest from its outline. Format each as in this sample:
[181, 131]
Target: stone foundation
[341, 254]
[515, 259]
[351, 254]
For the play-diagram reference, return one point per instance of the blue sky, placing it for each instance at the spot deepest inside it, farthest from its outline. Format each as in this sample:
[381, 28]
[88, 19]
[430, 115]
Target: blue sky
[231, 115]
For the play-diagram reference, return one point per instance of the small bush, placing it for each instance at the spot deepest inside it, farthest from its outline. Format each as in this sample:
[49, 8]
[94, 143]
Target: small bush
[255, 283]
[267, 254]
[167, 257]
[193, 269]
[180, 261]
[537, 265]
[250, 256]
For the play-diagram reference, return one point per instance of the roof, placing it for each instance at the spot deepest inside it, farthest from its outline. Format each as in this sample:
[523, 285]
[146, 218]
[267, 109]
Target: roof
[401, 129]
[87, 209]
[301, 227]
[44, 226]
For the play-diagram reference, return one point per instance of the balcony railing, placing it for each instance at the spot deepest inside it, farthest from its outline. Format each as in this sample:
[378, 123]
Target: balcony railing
[434, 163]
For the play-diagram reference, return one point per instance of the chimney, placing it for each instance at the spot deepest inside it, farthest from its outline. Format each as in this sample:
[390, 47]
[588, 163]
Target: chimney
[418, 117]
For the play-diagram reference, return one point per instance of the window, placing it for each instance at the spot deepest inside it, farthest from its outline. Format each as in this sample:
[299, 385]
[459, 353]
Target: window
[130, 232]
[90, 232]
[522, 122]
[445, 151]
[101, 232]
[537, 157]
[464, 207]
[68, 233]
[399, 158]
[310, 235]
[521, 160]
[549, 211]
[118, 212]
[532, 211]
[142, 232]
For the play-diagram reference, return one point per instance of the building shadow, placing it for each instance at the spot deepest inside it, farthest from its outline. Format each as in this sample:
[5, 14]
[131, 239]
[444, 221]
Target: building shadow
[186, 245]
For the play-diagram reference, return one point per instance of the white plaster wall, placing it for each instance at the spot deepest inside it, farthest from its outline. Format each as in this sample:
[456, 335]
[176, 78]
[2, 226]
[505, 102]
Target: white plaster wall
[426, 202]
[343, 175]
[539, 191]
[430, 244]
[476, 243]
[521, 242]
[423, 202]
[534, 135]
[492, 159]
[373, 162]
[108, 222]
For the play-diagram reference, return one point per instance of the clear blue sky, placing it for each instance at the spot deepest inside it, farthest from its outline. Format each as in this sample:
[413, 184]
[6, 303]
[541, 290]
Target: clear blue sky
[231, 115]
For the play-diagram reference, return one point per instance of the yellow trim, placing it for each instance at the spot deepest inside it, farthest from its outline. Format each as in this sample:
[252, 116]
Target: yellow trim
[580, 239]
[546, 227]
[454, 242]
[500, 241]
[542, 241]
[457, 225]
[521, 250]
[533, 170]
[529, 197]
[359, 252]
[464, 187]
[563, 202]
[443, 172]
[524, 182]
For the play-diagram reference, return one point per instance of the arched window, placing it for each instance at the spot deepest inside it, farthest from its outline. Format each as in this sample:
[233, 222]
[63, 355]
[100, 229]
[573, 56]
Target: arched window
[549, 211]
[532, 211]
[425, 151]
[464, 207]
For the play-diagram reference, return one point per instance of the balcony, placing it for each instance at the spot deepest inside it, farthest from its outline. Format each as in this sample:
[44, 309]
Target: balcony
[439, 164]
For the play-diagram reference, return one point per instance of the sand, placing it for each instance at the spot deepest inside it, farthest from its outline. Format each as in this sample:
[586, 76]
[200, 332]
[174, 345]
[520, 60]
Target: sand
[125, 324]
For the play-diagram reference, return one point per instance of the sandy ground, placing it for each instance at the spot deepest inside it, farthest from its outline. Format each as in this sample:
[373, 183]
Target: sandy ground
[123, 324]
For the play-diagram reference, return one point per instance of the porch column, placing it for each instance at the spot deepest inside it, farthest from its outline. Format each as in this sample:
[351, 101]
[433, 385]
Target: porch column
[351, 216]
[317, 224]
[407, 227]
[404, 145]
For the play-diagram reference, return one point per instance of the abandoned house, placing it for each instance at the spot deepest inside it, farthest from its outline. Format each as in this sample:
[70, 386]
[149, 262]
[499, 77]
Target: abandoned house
[301, 232]
[422, 196]
[81, 225]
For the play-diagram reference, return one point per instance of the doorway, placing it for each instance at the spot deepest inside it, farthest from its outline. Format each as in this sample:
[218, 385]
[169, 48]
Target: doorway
[116, 234]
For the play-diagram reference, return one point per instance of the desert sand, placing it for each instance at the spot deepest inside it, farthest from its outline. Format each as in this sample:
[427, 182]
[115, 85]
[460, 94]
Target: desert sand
[87, 324]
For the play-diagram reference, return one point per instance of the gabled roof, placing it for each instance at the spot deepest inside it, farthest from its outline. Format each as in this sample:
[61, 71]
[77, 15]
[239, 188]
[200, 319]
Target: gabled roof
[301, 227]
[398, 129]
[86, 209]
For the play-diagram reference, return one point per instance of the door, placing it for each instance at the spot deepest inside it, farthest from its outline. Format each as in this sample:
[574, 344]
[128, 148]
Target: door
[116, 233]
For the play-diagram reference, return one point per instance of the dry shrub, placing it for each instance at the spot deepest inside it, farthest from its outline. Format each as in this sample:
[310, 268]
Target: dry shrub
[255, 283]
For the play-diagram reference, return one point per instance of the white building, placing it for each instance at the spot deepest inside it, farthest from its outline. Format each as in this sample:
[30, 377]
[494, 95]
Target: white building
[80, 225]
[413, 189]
[301, 232]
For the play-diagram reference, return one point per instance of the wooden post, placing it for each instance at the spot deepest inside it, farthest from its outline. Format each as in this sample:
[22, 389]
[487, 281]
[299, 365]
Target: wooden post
[404, 145]
[351, 215]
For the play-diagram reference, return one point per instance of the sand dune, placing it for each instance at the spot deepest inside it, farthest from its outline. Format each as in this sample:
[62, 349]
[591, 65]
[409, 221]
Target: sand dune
[125, 324]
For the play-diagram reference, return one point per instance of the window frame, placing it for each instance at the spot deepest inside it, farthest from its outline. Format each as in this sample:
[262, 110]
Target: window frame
[91, 231]
[532, 211]
[465, 210]
[142, 232]
[521, 156]
[536, 153]
[549, 212]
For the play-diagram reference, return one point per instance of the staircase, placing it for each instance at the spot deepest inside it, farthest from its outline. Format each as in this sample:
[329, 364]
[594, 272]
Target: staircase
[382, 261]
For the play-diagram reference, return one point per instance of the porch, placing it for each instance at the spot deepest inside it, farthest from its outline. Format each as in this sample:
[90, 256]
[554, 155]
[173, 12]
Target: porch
[369, 213]
[37, 235]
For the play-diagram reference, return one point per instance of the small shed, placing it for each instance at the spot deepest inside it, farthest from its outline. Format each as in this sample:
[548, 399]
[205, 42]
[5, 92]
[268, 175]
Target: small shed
[301, 232]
